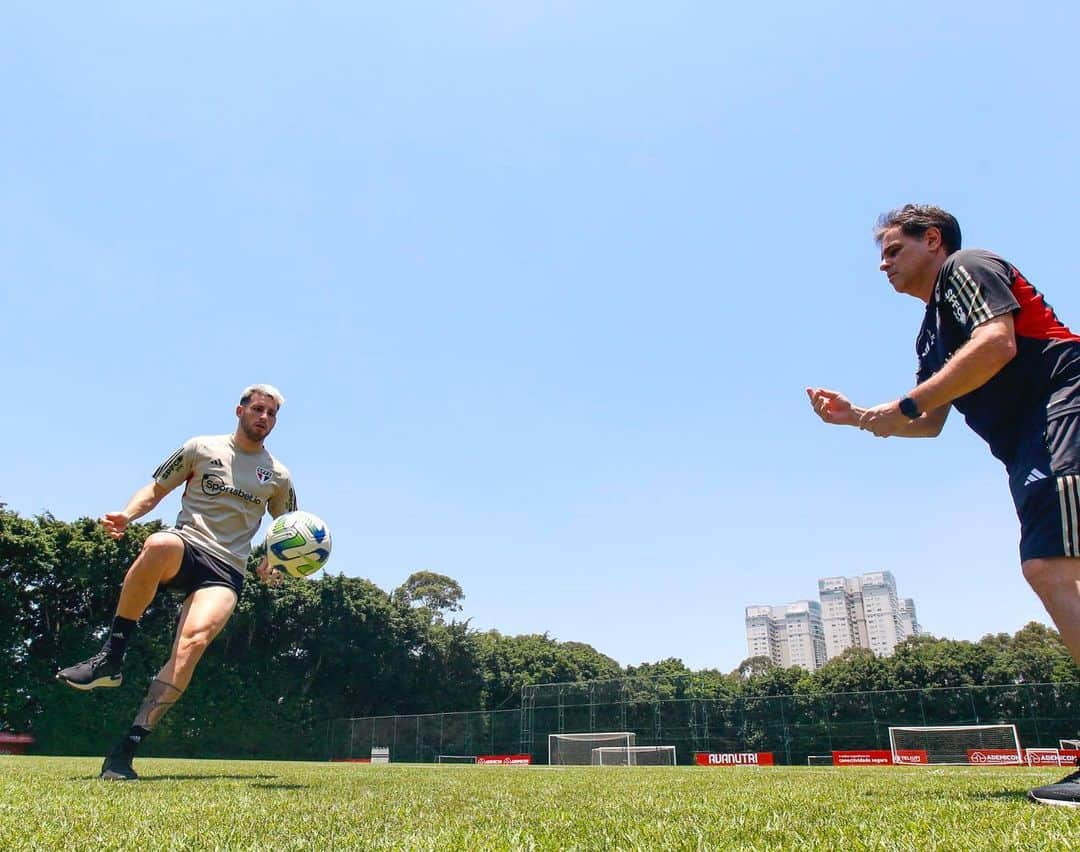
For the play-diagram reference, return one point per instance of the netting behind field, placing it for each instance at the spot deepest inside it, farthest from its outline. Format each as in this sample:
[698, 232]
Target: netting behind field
[422, 738]
[692, 714]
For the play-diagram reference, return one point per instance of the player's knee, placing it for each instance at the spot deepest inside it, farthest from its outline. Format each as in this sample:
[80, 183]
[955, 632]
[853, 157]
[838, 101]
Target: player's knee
[162, 546]
[1046, 575]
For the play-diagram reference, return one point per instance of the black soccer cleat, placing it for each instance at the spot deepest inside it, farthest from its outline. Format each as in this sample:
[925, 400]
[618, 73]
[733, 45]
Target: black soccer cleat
[99, 670]
[117, 765]
[1065, 792]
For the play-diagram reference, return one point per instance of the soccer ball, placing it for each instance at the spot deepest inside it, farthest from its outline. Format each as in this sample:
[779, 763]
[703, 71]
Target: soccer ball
[298, 543]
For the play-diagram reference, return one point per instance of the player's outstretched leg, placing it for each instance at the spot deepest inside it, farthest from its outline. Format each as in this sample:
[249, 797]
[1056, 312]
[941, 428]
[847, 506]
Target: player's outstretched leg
[158, 562]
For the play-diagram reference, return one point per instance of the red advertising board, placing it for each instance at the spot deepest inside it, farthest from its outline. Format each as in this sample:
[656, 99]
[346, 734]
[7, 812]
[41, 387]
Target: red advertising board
[911, 755]
[504, 759]
[873, 757]
[993, 757]
[15, 743]
[733, 758]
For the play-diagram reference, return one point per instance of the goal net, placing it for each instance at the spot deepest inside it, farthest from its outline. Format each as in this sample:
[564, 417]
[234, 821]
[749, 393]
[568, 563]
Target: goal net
[1043, 757]
[1069, 745]
[576, 749]
[977, 745]
[819, 760]
[634, 756]
[456, 758]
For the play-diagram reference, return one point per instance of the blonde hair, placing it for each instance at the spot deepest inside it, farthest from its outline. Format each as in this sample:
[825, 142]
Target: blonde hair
[265, 390]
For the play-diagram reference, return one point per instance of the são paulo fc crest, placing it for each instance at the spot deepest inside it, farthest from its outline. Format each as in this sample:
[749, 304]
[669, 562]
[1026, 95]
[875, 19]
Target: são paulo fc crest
[264, 475]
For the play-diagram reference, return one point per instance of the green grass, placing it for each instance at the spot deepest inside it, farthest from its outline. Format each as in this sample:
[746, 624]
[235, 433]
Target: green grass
[58, 803]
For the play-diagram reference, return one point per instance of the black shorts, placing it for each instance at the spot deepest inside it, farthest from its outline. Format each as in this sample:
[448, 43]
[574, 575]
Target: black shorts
[199, 569]
[1044, 478]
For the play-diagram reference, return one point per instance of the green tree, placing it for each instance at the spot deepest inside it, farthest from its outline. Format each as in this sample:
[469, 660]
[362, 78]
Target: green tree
[509, 662]
[435, 592]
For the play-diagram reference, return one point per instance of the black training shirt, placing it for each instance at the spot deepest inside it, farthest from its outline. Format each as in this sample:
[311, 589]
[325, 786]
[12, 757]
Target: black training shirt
[975, 286]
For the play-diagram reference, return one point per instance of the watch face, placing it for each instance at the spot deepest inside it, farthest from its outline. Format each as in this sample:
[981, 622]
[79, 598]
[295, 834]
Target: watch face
[908, 407]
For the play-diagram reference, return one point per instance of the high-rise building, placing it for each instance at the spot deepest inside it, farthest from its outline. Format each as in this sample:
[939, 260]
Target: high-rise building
[789, 635]
[909, 622]
[865, 612]
[882, 608]
[842, 615]
[763, 633]
[854, 612]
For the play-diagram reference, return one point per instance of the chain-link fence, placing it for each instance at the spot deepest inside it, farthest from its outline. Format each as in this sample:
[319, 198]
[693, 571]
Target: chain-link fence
[680, 711]
[423, 738]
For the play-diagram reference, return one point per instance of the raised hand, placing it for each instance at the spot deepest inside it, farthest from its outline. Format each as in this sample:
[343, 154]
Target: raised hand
[115, 523]
[833, 407]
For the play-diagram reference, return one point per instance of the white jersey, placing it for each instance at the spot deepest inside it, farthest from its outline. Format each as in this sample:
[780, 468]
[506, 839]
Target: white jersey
[226, 494]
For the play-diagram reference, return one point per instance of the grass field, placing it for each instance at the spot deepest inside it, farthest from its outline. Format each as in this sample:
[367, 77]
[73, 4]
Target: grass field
[57, 803]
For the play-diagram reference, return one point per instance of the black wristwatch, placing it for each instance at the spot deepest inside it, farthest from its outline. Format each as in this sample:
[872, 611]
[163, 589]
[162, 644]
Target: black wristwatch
[909, 408]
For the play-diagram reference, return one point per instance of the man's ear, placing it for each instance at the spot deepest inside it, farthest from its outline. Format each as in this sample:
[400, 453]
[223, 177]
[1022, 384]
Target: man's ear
[933, 239]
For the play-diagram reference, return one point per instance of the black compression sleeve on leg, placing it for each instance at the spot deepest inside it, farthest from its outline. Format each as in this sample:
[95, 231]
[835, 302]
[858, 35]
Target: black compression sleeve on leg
[159, 698]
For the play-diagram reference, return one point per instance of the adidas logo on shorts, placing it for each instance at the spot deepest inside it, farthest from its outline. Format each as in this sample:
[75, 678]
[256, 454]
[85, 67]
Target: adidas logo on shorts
[1034, 476]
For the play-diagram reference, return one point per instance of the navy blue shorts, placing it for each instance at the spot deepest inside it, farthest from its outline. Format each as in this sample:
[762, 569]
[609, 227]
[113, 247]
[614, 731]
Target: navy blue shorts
[199, 569]
[1044, 478]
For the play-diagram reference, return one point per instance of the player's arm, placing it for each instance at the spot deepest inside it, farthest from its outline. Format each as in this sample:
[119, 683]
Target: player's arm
[927, 425]
[991, 346]
[142, 501]
[837, 409]
[169, 474]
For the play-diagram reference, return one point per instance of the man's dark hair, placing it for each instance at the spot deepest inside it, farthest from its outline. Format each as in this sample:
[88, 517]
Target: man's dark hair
[914, 219]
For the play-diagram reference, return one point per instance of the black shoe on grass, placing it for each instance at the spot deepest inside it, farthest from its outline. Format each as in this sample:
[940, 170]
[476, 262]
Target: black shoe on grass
[117, 765]
[1065, 792]
[99, 670]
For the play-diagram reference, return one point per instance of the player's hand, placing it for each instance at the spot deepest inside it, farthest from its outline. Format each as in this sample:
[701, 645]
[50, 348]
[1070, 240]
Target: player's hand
[267, 574]
[833, 407]
[115, 523]
[884, 420]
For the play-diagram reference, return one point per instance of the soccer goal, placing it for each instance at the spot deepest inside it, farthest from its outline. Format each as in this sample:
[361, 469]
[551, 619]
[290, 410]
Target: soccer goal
[634, 756]
[977, 745]
[456, 758]
[1043, 757]
[819, 760]
[576, 749]
[1069, 745]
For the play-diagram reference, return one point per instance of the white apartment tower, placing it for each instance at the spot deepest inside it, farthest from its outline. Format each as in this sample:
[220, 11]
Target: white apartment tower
[789, 635]
[909, 622]
[864, 612]
[842, 615]
[882, 608]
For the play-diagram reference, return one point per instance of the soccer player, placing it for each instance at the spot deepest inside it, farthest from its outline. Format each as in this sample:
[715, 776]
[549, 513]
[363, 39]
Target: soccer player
[229, 481]
[991, 347]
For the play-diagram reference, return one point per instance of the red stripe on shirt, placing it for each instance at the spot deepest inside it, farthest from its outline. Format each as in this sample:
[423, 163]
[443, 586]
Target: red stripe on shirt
[1036, 318]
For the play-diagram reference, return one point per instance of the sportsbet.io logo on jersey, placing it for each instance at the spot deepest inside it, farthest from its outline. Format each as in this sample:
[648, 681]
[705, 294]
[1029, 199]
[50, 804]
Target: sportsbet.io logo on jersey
[212, 485]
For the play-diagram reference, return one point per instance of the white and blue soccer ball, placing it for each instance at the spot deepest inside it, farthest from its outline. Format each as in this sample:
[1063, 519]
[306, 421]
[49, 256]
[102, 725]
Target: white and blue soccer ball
[298, 543]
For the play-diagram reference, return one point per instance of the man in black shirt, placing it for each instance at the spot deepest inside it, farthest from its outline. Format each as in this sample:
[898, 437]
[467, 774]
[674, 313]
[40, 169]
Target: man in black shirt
[991, 347]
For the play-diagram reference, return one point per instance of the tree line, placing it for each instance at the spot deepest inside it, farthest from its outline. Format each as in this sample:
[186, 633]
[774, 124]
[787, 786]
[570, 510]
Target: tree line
[306, 651]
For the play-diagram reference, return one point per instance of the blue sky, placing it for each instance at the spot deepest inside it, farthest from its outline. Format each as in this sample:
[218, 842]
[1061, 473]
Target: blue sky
[542, 282]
